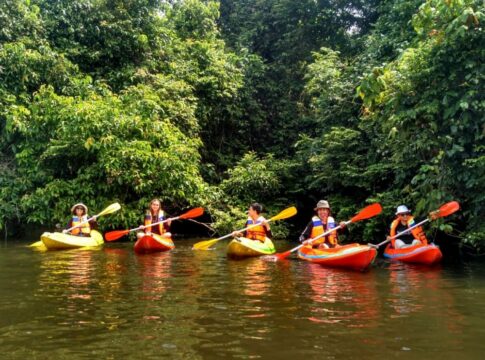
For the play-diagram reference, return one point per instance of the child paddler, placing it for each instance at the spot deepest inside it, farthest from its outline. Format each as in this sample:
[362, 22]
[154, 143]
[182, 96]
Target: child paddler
[319, 224]
[78, 220]
[154, 215]
[261, 230]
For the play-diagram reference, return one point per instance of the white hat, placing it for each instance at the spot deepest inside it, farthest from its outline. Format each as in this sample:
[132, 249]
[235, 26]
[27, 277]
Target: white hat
[82, 205]
[322, 204]
[401, 209]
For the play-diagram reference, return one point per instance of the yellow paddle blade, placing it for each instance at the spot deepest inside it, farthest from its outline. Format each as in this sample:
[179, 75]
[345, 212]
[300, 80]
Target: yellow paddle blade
[204, 245]
[37, 244]
[110, 209]
[285, 214]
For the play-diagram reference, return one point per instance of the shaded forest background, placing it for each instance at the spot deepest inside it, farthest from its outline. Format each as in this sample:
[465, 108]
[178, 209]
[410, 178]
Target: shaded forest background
[218, 104]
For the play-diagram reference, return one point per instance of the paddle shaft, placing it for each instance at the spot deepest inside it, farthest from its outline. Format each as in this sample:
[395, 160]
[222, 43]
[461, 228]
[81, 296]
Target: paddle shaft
[160, 222]
[110, 209]
[319, 236]
[401, 233]
[246, 228]
[81, 223]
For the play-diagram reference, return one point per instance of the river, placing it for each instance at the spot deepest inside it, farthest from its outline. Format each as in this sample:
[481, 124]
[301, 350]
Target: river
[185, 304]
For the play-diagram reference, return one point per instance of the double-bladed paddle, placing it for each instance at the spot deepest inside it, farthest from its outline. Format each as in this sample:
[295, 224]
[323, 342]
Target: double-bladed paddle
[365, 213]
[108, 210]
[445, 210]
[205, 245]
[116, 234]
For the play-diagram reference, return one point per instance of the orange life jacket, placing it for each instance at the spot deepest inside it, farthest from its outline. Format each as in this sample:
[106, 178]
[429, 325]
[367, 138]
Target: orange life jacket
[417, 232]
[85, 228]
[257, 232]
[148, 221]
[319, 228]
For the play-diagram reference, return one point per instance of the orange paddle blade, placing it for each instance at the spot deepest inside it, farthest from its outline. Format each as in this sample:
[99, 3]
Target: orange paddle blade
[192, 213]
[115, 235]
[447, 209]
[367, 212]
[281, 256]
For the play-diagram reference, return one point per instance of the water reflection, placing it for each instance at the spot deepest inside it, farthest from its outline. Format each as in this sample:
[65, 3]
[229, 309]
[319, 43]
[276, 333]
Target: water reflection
[412, 287]
[155, 271]
[114, 304]
[67, 288]
[341, 296]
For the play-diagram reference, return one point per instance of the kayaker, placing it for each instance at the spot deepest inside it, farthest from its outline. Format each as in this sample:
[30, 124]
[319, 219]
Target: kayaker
[403, 221]
[259, 232]
[79, 216]
[319, 224]
[153, 215]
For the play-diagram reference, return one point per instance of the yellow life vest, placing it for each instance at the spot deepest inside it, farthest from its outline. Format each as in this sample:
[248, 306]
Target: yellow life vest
[257, 232]
[148, 222]
[85, 228]
[319, 228]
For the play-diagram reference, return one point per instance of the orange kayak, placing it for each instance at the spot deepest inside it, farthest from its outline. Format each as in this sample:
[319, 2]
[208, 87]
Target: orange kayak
[419, 254]
[153, 243]
[352, 256]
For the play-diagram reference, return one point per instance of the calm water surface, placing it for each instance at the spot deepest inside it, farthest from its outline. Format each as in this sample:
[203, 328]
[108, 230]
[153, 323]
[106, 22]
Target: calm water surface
[114, 304]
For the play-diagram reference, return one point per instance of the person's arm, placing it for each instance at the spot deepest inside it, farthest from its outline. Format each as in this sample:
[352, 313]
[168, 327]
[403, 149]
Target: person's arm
[268, 233]
[93, 224]
[305, 235]
[240, 233]
[68, 226]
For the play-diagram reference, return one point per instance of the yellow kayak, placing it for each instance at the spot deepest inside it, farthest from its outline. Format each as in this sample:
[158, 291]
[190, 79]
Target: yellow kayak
[243, 247]
[60, 241]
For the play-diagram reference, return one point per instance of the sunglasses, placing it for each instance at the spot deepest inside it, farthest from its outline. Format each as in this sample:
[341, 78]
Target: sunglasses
[405, 214]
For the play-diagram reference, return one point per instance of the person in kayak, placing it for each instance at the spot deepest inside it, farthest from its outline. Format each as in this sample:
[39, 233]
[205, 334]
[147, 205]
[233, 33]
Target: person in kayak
[261, 230]
[78, 219]
[319, 224]
[403, 221]
[153, 215]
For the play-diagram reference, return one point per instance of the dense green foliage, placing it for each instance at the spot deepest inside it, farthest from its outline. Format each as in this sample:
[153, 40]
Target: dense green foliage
[222, 104]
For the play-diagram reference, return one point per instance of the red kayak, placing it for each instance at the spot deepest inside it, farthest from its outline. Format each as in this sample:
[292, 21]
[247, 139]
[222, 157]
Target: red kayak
[419, 254]
[153, 243]
[352, 256]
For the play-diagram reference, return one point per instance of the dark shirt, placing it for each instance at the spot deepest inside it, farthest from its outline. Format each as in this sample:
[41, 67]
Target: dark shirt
[406, 238]
[156, 228]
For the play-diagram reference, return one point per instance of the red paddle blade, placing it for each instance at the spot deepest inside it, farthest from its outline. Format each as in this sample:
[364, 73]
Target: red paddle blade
[283, 255]
[367, 212]
[447, 209]
[192, 213]
[114, 235]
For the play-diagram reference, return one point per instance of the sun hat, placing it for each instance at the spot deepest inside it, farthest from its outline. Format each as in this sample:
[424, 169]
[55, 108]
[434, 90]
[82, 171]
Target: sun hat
[401, 209]
[73, 209]
[322, 204]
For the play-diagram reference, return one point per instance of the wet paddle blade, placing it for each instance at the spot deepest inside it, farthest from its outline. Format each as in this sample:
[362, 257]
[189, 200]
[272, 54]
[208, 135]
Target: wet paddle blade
[282, 256]
[204, 245]
[285, 214]
[447, 209]
[37, 244]
[115, 235]
[367, 212]
[110, 209]
[192, 213]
